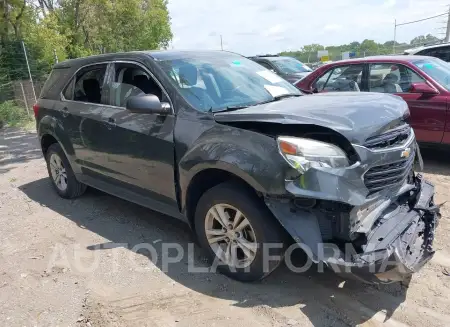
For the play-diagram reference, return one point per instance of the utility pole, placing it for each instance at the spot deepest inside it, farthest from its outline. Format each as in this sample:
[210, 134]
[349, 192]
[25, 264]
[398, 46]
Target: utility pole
[395, 36]
[29, 71]
[447, 33]
[221, 44]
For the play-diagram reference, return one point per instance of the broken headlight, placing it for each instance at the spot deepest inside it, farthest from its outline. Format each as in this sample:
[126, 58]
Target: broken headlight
[303, 154]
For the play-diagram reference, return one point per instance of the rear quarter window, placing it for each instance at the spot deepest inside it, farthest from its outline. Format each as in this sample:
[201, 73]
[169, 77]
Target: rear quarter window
[55, 82]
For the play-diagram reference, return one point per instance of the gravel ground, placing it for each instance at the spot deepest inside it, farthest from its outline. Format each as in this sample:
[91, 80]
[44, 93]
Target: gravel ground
[70, 263]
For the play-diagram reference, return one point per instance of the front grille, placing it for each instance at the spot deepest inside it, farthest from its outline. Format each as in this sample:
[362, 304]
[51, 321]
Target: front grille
[381, 177]
[397, 136]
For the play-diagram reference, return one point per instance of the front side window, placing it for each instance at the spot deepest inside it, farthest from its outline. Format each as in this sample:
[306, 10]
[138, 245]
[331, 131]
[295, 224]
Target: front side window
[131, 80]
[290, 66]
[224, 81]
[88, 84]
[437, 69]
[392, 78]
[340, 79]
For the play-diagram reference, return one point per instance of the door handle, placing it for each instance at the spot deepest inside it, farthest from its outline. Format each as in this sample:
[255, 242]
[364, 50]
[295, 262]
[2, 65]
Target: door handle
[65, 112]
[111, 123]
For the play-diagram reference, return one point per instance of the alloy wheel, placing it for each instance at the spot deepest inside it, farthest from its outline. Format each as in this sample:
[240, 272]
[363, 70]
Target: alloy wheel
[230, 235]
[58, 172]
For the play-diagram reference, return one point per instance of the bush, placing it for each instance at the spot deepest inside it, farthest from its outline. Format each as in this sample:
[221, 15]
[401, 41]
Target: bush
[12, 114]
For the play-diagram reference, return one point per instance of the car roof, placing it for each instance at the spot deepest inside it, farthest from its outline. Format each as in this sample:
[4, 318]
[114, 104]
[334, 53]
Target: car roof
[270, 57]
[155, 54]
[393, 58]
[417, 49]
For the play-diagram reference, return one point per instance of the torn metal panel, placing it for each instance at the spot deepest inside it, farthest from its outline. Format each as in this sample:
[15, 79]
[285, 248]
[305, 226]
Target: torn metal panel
[400, 240]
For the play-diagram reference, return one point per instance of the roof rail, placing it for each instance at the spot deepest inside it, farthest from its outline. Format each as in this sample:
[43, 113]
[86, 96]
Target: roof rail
[267, 55]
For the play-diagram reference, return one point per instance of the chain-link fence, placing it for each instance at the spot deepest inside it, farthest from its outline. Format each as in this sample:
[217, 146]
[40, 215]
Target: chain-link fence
[21, 79]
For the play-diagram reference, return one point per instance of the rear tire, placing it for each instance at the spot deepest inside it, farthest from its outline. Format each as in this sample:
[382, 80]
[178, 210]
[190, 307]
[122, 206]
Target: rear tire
[238, 248]
[61, 173]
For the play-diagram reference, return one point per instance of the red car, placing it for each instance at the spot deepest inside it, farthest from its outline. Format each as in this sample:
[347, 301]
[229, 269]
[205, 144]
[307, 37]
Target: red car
[423, 82]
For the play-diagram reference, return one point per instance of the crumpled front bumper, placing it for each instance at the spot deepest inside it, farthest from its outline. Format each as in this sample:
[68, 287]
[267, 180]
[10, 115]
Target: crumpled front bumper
[398, 244]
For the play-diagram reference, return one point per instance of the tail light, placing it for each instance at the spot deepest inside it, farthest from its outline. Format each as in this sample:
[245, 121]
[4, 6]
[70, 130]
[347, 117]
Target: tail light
[35, 109]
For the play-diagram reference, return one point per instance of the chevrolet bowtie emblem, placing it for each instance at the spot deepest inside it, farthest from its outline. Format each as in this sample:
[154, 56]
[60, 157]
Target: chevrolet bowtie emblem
[406, 153]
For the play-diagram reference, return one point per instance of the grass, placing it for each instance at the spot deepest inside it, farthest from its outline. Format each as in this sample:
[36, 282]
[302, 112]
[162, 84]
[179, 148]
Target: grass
[15, 116]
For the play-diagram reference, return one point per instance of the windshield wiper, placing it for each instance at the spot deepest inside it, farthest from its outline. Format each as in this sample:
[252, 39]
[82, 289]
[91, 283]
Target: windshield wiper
[236, 107]
[283, 96]
[275, 98]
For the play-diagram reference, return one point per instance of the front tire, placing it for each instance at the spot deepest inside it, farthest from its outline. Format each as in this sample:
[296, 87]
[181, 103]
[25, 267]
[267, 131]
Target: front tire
[61, 173]
[239, 233]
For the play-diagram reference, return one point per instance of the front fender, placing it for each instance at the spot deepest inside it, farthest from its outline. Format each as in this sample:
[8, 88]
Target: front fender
[251, 156]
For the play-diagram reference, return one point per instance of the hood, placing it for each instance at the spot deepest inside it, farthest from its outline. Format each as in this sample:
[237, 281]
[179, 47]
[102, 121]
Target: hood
[355, 115]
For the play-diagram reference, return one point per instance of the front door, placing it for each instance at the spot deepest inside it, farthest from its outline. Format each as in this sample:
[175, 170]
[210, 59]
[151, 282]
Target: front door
[428, 112]
[138, 152]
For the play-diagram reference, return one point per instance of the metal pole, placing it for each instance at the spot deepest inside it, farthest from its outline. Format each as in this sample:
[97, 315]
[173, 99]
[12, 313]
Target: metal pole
[221, 44]
[447, 33]
[29, 71]
[24, 98]
[395, 36]
[56, 56]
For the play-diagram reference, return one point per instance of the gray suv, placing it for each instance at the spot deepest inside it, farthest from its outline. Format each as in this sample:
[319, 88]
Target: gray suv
[236, 152]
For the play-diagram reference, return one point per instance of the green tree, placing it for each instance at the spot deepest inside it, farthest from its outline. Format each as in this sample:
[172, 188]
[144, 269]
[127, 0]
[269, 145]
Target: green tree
[424, 39]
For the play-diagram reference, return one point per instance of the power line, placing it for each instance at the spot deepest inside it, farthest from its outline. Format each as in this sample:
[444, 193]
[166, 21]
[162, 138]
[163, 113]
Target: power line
[420, 20]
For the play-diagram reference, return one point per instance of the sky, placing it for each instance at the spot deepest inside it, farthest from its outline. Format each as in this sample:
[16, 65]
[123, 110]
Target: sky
[253, 27]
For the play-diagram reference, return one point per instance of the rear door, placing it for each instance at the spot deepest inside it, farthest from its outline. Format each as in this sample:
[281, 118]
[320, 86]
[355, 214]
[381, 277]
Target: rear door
[344, 78]
[428, 112]
[137, 153]
[82, 104]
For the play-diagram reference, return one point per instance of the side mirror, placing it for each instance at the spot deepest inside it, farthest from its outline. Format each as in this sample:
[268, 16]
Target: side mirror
[147, 104]
[423, 88]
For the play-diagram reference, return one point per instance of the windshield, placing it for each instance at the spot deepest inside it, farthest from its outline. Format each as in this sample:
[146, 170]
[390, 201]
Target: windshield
[224, 81]
[291, 65]
[437, 69]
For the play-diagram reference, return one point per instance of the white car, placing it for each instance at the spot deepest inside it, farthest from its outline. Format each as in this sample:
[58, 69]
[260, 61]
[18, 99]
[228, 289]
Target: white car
[441, 51]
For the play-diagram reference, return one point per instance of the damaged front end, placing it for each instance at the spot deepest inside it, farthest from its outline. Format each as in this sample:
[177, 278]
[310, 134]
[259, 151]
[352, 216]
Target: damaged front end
[375, 219]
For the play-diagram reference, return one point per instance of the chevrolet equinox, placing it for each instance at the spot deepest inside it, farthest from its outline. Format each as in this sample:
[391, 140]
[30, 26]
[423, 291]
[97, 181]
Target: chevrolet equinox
[238, 153]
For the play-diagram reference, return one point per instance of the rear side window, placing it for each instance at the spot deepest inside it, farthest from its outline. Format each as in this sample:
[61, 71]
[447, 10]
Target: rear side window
[54, 83]
[341, 79]
[86, 86]
[441, 53]
[265, 65]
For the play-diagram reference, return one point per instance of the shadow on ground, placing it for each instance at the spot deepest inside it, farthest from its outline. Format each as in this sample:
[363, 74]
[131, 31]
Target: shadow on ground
[320, 296]
[17, 146]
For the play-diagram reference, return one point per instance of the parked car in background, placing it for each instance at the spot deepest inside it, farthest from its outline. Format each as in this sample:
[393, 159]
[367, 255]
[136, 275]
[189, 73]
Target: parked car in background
[289, 68]
[423, 82]
[319, 64]
[238, 153]
[441, 51]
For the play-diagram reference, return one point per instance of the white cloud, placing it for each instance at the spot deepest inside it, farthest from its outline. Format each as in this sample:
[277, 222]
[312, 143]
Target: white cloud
[389, 3]
[262, 26]
[274, 30]
[332, 27]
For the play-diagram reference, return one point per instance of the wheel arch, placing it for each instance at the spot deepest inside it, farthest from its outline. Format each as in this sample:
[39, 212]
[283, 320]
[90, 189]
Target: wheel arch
[51, 131]
[207, 178]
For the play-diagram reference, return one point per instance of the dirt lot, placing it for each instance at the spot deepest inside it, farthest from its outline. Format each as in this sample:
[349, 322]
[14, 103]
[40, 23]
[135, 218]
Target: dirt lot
[48, 246]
